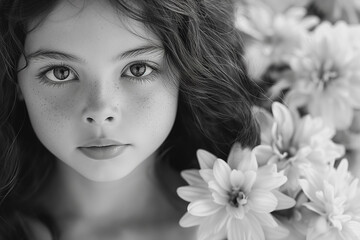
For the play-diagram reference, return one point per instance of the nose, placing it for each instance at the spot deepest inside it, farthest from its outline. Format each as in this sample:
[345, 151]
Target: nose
[99, 120]
[100, 113]
[100, 107]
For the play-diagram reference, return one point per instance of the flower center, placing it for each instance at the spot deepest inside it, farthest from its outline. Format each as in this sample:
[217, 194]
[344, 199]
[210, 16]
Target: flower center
[237, 198]
[325, 76]
[289, 153]
[284, 154]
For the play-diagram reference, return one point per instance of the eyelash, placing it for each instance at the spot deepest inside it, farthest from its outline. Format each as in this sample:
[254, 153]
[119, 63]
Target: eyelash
[149, 78]
[44, 80]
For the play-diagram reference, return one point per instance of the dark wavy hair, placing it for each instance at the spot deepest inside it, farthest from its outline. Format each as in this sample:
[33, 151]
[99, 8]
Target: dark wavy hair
[214, 108]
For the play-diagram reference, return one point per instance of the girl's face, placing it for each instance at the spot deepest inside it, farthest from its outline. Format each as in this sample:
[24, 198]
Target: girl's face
[99, 94]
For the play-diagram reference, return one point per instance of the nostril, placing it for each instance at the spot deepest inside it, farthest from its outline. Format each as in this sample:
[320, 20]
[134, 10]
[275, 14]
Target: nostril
[90, 120]
[110, 119]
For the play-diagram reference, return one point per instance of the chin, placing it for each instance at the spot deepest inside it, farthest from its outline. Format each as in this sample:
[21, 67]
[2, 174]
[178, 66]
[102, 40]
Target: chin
[102, 170]
[106, 174]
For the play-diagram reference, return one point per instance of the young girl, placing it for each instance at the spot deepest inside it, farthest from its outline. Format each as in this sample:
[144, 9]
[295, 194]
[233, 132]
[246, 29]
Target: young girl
[103, 103]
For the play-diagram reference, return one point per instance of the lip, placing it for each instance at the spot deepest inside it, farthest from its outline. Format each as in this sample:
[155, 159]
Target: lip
[101, 142]
[101, 149]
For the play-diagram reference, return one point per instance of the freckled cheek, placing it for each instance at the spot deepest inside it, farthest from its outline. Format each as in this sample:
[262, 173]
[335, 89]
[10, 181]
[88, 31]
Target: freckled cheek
[50, 114]
[153, 116]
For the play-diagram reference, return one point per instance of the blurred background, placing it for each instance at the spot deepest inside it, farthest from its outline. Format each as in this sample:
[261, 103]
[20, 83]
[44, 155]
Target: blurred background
[306, 54]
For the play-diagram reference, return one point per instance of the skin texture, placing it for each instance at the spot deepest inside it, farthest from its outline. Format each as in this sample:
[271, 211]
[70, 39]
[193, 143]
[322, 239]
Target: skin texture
[100, 98]
[101, 86]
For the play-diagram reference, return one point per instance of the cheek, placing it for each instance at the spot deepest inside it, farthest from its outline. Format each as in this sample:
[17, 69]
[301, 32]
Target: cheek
[154, 115]
[49, 114]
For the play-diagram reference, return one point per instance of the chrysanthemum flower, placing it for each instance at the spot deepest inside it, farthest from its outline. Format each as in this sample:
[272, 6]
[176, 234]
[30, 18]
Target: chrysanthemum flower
[327, 76]
[282, 6]
[234, 199]
[297, 145]
[335, 198]
[275, 35]
[335, 10]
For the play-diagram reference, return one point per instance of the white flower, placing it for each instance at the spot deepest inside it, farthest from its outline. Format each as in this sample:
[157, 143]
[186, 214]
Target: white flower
[335, 10]
[275, 5]
[335, 198]
[234, 199]
[327, 76]
[354, 36]
[275, 34]
[297, 145]
[283, 5]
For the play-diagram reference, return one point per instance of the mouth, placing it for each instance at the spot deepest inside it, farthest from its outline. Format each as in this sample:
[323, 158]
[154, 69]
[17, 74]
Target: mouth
[101, 149]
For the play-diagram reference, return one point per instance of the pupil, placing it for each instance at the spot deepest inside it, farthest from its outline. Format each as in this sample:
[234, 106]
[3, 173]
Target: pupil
[61, 73]
[137, 70]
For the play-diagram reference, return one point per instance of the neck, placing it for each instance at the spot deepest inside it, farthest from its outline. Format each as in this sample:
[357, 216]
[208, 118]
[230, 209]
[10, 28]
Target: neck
[137, 197]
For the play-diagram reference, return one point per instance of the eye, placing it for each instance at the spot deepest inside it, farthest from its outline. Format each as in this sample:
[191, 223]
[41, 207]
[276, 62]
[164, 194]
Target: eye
[60, 74]
[138, 70]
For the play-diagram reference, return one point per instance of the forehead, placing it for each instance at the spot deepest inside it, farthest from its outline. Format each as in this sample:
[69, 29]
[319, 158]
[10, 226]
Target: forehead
[79, 25]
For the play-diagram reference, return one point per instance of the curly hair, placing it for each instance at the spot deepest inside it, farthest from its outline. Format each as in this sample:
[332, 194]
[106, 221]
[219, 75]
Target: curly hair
[214, 108]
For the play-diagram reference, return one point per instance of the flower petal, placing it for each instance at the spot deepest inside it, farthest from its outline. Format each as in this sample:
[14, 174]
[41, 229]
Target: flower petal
[204, 232]
[202, 208]
[214, 226]
[262, 201]
[236, 212]
[250, 178]
[247, 161]
[343, 167]
[295, 99]
[265, 219]
[215, 187]
[318, 230]
[257, 232]
[207, 174]
[280, 232]
[206, 159]
[219, 199]
[189, 220]
[236, 178]
[284, 201]
[265, 120]
[192, 177]
[308, 189]
[237, 231]
[284, 120]
[315, 208]
[191, 193]
[221, 173]
[268, 178]
[353, 227]
[218, 221]
[235, 155]
[219, 195]
[263, 153]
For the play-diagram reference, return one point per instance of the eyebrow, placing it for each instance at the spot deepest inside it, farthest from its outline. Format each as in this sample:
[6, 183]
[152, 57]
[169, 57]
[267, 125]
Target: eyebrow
[44, 54]
[139, 51]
